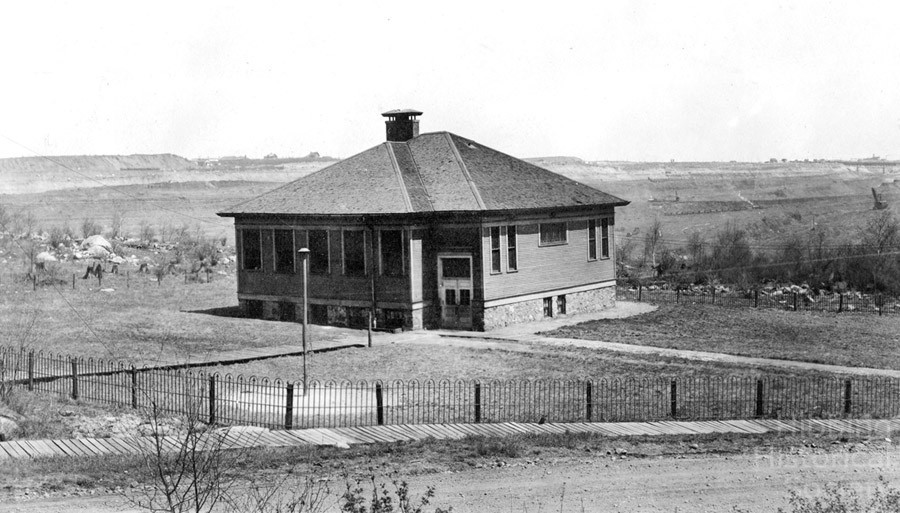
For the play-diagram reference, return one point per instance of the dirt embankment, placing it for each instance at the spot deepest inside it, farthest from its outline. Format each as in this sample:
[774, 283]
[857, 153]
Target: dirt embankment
[41, 174]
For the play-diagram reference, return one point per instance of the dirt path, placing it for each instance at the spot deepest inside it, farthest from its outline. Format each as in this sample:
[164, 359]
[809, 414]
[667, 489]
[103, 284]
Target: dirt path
[525, 338]
[756, 483]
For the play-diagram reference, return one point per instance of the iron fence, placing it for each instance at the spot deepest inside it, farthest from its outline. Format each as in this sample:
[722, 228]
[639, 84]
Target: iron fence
[277, 404]
[792, 301]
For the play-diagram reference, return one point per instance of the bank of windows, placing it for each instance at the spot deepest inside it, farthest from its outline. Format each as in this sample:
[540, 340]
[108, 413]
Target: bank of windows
[497, 234]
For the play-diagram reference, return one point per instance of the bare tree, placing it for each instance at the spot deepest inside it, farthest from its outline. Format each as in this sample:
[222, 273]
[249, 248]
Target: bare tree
[653, 241]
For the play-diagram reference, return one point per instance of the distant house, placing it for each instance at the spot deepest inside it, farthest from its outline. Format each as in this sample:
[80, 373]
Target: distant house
[427, 230]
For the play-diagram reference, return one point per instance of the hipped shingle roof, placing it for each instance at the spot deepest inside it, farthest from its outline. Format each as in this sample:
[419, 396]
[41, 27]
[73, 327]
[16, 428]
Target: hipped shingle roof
[433, 172]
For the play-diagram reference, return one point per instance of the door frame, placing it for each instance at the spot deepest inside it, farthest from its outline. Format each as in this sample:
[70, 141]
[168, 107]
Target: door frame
[440, 287]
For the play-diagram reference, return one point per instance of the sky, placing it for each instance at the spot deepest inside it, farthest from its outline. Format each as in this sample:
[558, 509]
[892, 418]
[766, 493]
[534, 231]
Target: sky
[640, 81]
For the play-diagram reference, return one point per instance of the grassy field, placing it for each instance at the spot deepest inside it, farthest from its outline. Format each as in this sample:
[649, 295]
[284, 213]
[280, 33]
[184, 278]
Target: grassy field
[849, 340]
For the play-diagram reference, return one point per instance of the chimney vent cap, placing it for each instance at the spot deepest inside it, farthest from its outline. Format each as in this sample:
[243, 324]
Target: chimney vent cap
[401, 112]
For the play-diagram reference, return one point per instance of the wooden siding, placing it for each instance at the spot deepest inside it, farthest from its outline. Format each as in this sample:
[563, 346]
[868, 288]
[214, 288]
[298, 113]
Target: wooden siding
[543, 268]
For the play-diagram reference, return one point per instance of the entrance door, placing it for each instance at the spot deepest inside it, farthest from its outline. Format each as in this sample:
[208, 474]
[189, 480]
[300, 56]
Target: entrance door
[455, 291]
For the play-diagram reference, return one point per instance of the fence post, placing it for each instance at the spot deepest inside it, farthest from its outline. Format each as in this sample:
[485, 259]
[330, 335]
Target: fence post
[879, 302]
[713, 295]
[100, 277]
[73, 281]
[677, 295]
[212, 400]
[673, 398]
[847, 401]
[759, 398]
[640, 288]
[589, 400]
[840, 302]
[289, 407]
[74, 379]
[756, 298]
[34, 282]
[127, 279]
[379, 404]
[207, 275]
[31, 370]
[477, 403]
[795, 301]
[134, 401]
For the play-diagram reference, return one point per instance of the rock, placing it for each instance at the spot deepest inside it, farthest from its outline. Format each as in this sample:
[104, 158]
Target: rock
[43, 257]
[8, 428]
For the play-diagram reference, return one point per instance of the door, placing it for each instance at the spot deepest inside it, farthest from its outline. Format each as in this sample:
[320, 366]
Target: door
[455, 291]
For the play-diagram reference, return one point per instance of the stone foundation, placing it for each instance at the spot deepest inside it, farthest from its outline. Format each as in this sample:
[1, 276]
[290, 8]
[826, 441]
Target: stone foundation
[290, 310]
[533, 310]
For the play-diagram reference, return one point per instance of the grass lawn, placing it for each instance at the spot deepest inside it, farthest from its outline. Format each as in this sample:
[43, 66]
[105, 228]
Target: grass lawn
[442, 359]
[136, 321]
[836, 339]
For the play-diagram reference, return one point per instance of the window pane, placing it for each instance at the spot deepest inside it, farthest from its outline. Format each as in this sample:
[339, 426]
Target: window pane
[512, 258]
[592, 239]
[318, 251]
[284, 251]
[392, 252]
[251, 250]
[354, 252]
[553, 233]
[495, 249]
[455, 268]
[450, 297]
[604, 238]
[465, 298]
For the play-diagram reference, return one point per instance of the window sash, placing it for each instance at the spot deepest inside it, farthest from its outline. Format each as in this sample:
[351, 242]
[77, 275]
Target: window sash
[496, 266]
[319, 253]
[392, 248]
[251, 249]
[592, 239]
[354, 252]
[283, 251]
[512, 257]
[553, 233]
[604, 238]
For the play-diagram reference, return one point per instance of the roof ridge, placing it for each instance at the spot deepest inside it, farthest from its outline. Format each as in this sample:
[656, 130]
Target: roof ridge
[465, 171]
[403, 191]
[412, 156]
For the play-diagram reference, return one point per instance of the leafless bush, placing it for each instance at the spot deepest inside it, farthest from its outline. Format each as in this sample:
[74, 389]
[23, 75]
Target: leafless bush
[90, 227]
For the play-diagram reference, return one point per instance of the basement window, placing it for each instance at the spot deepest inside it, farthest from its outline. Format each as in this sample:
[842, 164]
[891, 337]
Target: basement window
[251, 249]
[553, 234]
[561, 304]
[548, 307]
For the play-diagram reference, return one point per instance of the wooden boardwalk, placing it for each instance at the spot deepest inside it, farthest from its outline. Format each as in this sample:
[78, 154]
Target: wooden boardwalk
[243, 438]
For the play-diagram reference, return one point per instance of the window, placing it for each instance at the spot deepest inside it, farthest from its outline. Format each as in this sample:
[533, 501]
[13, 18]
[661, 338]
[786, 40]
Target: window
[548, 307]
[561, 304]
[354, 252]
[495, 249]
[284, 251]
[318, 251]
[391, 244]
[251, 249]
[592, 239]
[604, 238]
[553, 233]
[512, 259]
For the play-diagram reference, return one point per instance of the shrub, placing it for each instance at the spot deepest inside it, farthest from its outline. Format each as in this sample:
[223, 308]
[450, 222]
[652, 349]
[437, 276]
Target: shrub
[382, 500]
[89, 227]
[840, 498]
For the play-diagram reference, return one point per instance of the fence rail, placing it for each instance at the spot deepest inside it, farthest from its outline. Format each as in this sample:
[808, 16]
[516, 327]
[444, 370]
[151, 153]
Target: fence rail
[792, 301]
[276, 404]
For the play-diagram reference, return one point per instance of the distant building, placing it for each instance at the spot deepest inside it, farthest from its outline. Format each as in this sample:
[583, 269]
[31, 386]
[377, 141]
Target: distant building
[271, 156]
[427, 230]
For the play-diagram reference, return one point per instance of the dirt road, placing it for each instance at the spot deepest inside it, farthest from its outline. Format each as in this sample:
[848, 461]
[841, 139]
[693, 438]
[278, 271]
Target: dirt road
[613, 483]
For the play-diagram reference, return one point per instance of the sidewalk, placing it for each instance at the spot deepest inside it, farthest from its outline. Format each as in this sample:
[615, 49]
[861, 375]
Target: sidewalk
[246, 438]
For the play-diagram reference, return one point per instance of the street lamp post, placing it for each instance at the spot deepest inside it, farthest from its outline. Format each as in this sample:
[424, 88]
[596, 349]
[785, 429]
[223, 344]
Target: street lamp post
[304, 258]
